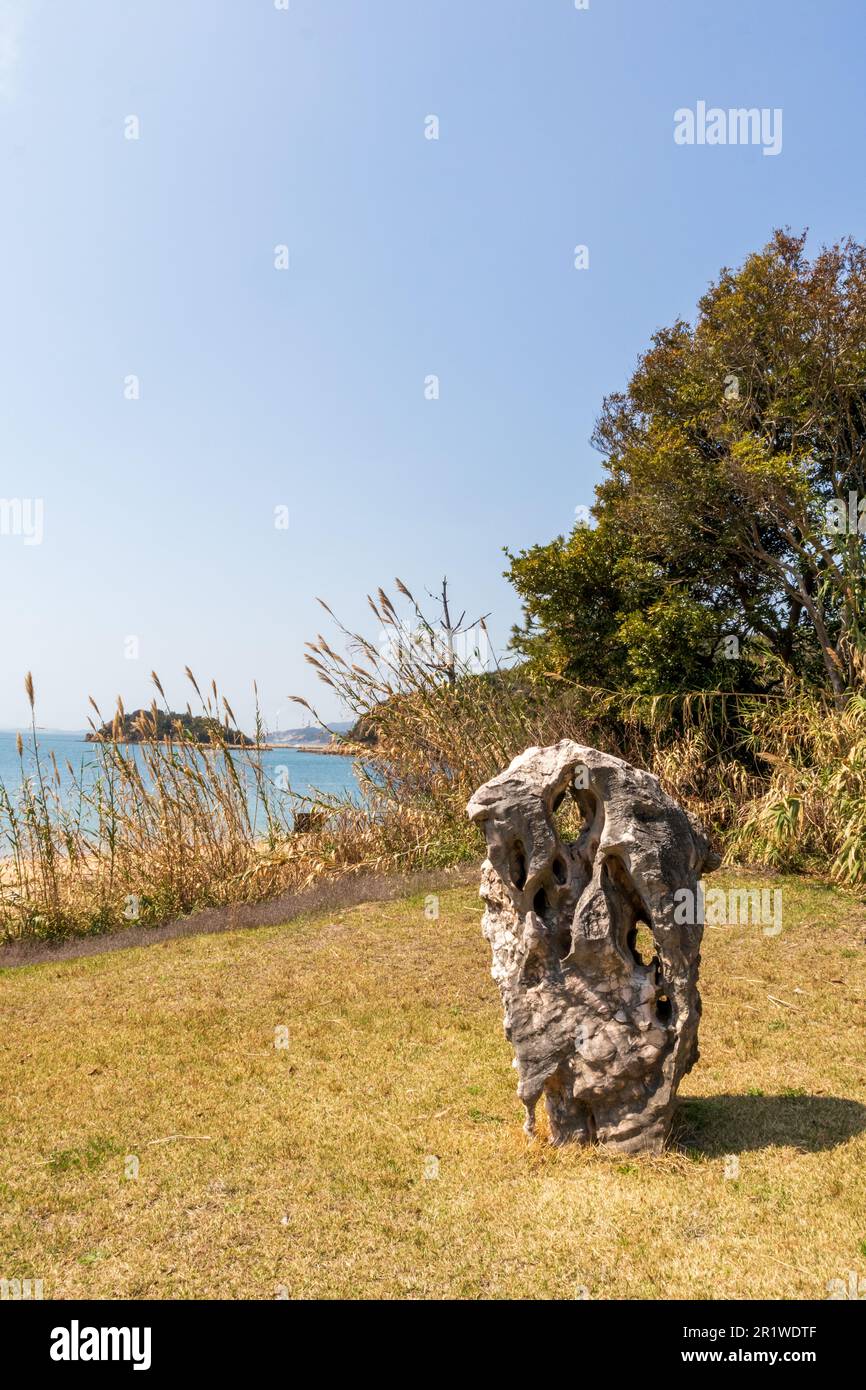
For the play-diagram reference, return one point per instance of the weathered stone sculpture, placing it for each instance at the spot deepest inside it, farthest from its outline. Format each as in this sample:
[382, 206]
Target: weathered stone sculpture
[603, 1033]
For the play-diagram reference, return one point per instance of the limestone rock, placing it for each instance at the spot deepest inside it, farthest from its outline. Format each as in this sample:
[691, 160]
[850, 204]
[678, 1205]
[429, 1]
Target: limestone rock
[605, 1035]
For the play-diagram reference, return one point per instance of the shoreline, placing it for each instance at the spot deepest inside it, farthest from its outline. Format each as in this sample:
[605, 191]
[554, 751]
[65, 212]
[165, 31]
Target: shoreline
[353, 750]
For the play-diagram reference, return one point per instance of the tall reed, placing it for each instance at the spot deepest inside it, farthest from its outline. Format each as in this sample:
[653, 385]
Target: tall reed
[780, 778]
[162, 827]
[146, 831]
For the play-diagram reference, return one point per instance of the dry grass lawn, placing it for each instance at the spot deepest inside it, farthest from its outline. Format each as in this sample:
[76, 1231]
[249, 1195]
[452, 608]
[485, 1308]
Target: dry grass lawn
[309, 1170]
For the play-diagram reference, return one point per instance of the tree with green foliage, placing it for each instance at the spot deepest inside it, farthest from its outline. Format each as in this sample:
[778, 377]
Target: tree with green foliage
[599, 612]
[734, 505]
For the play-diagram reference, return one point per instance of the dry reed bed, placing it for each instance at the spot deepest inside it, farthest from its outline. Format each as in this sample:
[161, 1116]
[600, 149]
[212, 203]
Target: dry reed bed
[779, 780]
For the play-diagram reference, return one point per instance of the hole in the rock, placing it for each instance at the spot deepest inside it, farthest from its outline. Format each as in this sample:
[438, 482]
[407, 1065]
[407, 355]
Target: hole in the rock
[641, 943]
[560, 869]
[585, 820]
[540, 903]
[664, 1008]
[571, 814]
[629, 917]
[518, 864]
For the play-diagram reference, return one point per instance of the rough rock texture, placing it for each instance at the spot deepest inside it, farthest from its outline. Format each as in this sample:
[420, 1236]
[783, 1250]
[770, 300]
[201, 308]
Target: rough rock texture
[604, 1034]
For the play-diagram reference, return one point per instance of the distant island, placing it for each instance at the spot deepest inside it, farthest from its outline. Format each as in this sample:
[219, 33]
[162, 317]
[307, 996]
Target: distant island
[334, 738]
[138, 727]
[312, 736]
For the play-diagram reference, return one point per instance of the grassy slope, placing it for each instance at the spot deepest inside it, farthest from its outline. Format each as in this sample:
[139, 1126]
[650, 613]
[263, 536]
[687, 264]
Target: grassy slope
[307, 1172]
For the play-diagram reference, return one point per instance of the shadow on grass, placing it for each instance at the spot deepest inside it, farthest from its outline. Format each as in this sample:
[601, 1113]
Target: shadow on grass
[729, 1124]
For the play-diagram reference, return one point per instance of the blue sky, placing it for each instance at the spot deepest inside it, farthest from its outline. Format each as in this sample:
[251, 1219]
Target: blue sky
[407, 257]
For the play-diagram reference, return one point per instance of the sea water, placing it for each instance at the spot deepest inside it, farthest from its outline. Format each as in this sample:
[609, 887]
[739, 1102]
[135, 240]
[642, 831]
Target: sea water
[290, 773]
